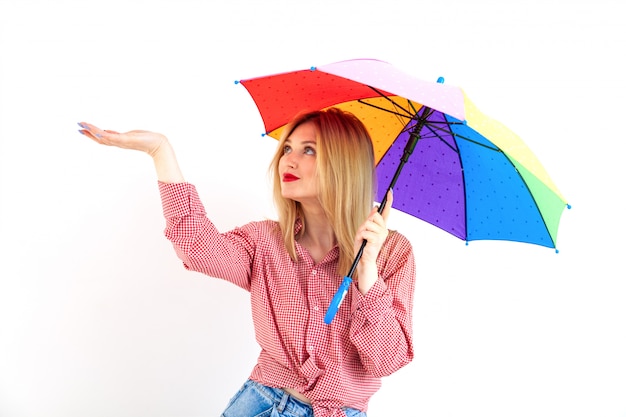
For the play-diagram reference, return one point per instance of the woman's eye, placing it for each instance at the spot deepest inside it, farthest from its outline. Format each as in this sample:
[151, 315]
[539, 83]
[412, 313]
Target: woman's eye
[286, 149]
[309, 151]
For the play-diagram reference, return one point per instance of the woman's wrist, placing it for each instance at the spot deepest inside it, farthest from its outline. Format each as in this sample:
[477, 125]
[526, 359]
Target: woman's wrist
[166, 164]
[367, 276]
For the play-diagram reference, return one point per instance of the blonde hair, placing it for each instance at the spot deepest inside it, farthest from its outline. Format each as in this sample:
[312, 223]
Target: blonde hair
[345, 174]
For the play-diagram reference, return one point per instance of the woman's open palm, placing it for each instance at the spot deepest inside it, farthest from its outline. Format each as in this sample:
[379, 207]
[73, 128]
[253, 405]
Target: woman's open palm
[140, 140]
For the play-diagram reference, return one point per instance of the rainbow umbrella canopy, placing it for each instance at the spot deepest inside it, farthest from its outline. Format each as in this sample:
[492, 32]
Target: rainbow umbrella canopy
[461, 171]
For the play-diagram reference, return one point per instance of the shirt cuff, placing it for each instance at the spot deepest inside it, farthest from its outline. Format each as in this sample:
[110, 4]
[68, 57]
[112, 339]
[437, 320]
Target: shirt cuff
[373, 305]
[179, 199]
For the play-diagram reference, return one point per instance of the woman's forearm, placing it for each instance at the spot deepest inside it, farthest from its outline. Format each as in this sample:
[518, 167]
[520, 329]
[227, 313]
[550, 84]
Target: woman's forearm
[166, 164]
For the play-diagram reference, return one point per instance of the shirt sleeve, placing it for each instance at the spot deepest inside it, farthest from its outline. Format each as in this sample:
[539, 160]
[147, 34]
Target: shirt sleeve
[197, 241]
[381, 328]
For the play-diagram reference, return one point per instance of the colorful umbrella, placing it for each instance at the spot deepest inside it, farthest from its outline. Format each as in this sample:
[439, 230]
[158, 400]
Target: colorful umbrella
[463, 171]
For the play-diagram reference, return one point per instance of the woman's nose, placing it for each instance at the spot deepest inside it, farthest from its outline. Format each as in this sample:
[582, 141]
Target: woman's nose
[291, 160]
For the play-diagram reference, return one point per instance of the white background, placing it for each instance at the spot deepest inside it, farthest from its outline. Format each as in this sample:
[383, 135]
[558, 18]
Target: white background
[99, 318]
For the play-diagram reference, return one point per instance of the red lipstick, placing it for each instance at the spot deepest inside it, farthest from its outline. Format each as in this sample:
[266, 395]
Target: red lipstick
[289, 177]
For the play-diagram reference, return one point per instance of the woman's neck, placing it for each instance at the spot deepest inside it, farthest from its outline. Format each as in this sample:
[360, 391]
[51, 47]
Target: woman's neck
[318, 236]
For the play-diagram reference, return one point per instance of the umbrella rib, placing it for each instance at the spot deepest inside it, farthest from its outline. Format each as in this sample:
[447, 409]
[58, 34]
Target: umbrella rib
[386, 97]
[433, 130]
[477, 143]
[435, 133]
[407, 115]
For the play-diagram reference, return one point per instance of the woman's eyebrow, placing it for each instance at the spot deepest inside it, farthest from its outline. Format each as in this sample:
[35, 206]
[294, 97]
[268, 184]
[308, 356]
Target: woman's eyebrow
[305, 142]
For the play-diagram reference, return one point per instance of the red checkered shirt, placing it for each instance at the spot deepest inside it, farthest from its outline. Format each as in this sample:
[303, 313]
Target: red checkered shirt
[336, 365]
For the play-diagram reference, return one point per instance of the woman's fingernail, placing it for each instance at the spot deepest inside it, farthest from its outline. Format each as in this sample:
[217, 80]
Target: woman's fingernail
[81, 132]
[98, 135]
[82, 126]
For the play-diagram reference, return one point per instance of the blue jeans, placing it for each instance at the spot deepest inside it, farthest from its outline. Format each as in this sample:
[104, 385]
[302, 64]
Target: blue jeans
[257, 400]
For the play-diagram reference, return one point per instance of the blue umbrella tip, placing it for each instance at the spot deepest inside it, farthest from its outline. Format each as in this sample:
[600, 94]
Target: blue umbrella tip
[440, 80]
[237, 81]
[263, 134]
[313, 68]
[569, 206]
[556, 250]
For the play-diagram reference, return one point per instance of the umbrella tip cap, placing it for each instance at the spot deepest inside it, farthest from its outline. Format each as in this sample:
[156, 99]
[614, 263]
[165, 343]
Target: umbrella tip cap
[440, 80]
[313, 68]
[237, 81]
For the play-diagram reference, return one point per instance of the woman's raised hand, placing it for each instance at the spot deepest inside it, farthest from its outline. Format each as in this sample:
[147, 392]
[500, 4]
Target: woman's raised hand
[154, 144]
[375, 231]
[140, 140]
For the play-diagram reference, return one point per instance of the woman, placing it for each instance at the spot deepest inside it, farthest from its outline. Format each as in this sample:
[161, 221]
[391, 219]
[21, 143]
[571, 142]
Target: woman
[323, 190]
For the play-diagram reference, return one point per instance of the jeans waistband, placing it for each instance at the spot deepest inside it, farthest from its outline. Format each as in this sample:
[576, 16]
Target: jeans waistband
[284, 401]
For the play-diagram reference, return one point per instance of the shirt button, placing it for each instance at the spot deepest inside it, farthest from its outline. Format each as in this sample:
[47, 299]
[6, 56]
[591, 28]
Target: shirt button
[314, 272]
[316, 308]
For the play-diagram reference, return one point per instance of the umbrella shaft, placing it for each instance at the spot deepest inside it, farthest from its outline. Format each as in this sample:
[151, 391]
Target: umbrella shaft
[414, 136]
[408, 150]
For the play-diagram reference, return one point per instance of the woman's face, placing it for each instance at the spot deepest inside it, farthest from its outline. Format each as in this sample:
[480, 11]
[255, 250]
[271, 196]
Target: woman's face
[298, 165]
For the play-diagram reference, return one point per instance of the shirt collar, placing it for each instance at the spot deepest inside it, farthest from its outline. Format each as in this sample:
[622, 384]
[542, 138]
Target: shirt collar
[297, 226]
